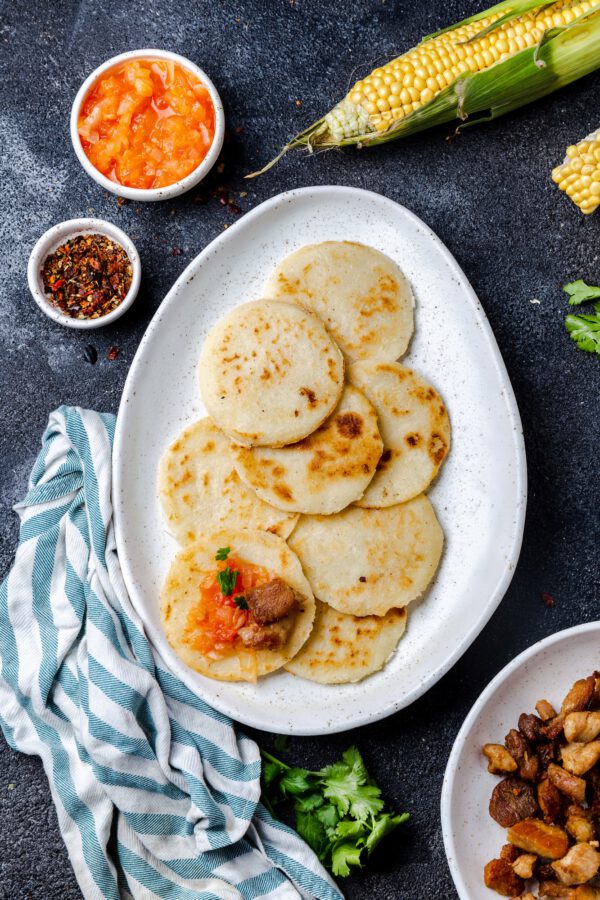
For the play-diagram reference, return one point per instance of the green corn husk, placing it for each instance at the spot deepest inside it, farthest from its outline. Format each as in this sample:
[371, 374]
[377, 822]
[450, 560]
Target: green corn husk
[562, 55]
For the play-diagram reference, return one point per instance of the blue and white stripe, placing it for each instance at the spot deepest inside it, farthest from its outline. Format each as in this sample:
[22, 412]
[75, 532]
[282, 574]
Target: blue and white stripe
[157, 794]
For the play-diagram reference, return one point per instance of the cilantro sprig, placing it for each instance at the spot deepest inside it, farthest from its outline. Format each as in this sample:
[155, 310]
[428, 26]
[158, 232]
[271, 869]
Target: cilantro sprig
[226, 580]
[584, 328]
[579, 292]
[339, 810]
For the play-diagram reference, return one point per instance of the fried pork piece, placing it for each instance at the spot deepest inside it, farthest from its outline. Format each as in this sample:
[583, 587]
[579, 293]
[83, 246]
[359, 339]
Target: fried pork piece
[266, 637]
[579, 824]
[555, 889]
[531, 727]
[517, 745]
[272, 601]
[568, 784]
[580, 758]
[535, 836]
[510, 852]
[578, 866]
[511, 801]
[545, 710]
[524, 865]
[579, 697]
[582, 726]
[500, 877]
[550, 800]
[547, 753]
[499, 759]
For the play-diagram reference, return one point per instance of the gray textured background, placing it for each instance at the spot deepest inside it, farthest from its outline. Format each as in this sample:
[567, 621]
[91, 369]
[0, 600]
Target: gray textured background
[278, 64]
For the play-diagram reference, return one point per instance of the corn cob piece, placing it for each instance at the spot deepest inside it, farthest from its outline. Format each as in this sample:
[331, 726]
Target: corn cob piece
[579, 175]
[481, 68]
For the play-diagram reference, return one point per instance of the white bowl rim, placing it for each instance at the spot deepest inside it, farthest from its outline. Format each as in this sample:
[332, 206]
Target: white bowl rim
[60, 233]
[178, 187]
[461, 738]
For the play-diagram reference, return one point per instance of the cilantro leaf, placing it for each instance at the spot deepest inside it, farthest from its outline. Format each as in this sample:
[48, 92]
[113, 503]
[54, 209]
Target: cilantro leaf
[308, 802]
[585, 330]
[383, 826]
[295, 781]
[579, 292]
[226, 580]
[309, 827]
[241, 602]
[270, 773]
[329, 816]
[351, 828]
[344, 855]
[281, 743]
[345, 784]
[222, 553]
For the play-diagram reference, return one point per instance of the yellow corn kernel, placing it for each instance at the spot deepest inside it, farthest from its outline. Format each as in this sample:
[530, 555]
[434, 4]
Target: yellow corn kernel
[579, 175]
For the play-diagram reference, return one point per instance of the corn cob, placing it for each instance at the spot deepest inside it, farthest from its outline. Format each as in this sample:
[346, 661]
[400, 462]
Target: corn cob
[483, 67]
[579, 175]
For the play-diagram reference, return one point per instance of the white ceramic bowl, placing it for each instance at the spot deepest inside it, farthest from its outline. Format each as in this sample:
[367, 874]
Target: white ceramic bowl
[59, 234]
[545, 670]
[178, 187]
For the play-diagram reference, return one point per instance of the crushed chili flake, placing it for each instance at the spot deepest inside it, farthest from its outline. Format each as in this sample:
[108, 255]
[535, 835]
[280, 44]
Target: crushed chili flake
[113, 353]
[176, 251]
[87, 277]
[548, 599]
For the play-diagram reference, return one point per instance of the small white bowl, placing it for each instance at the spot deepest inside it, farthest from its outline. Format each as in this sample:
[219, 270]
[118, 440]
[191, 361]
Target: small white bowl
[60, 234]
[544, 671]
[178, 187]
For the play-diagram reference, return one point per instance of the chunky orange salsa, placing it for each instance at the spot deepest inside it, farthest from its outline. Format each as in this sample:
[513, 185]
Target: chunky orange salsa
[214, 623]
[147, 123]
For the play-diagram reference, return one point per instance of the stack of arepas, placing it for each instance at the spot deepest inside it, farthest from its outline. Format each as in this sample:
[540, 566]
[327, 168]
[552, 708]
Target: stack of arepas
[299, 502]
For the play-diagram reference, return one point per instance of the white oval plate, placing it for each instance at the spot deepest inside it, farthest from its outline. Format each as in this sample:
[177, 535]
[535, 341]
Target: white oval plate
[545, 671]
[480, 496]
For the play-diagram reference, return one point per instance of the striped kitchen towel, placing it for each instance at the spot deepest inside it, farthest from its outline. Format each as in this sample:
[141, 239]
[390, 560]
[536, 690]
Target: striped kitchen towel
[157, 794]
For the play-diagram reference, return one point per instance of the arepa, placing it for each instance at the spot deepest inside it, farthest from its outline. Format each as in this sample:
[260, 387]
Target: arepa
[270, 374]
[200, 490]
[414, 426]
[183, 609]
[360, 294]
[345, 648]
[324, 472]
[366, 561]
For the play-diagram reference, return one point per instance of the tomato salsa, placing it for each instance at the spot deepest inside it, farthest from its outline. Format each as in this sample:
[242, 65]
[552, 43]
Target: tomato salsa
[147, 123]
[214, 623]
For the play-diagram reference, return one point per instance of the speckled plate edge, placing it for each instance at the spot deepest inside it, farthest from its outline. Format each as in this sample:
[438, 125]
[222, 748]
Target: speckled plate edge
[350, 720]
[453, 767]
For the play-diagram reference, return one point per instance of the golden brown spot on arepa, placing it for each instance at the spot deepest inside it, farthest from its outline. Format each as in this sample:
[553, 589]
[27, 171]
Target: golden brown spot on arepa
[349, 424]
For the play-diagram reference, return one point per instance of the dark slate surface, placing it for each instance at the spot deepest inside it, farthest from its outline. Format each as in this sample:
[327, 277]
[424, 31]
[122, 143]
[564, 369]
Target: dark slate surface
[488, 195]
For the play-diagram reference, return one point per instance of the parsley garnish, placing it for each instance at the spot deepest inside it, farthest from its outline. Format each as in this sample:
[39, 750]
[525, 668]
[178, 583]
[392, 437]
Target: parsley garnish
[226, 580]
[579, 292]
[339, 810]
[222, 553]
[241, 602]
[584, 328]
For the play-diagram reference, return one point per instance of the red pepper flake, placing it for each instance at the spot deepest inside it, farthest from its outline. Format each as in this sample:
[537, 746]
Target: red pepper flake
[234, 208]
[176, 251]
[239, 129]
[87, 277]
[548, 599]
[122, 201]
[113, 353]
